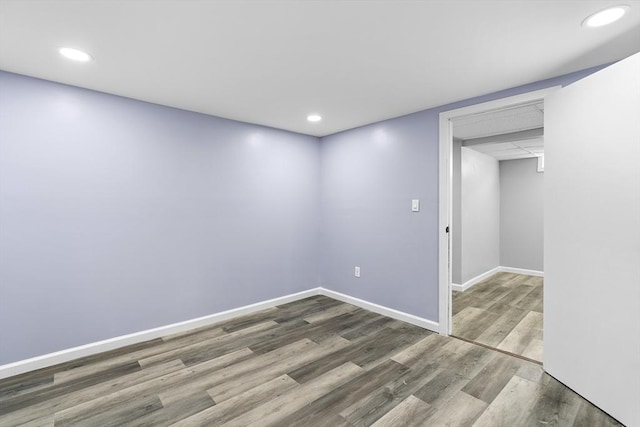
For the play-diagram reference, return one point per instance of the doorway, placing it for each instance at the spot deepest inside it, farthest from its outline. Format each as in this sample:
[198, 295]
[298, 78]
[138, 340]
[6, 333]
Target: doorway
[496, 305]
[591, 234]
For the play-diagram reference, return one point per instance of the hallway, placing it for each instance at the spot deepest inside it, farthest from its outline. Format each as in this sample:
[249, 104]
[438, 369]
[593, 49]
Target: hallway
[502, 312]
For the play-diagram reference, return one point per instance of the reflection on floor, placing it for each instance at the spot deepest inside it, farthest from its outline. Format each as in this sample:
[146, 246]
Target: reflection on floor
[503, 312]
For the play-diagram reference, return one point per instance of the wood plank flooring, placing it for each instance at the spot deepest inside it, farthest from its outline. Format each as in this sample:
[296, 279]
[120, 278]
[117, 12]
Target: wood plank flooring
[313, 362]
[503, 312]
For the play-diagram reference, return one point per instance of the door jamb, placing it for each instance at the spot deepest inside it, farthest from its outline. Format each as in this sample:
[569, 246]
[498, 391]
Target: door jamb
[445, 191]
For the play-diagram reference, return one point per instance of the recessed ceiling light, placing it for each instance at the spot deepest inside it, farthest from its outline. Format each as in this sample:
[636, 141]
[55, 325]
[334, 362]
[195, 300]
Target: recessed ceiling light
[314, 117]
[75, 54]
[605, 17]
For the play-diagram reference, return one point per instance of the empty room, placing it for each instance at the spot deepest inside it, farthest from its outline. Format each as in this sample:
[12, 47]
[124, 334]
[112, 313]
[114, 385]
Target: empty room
[246, 213]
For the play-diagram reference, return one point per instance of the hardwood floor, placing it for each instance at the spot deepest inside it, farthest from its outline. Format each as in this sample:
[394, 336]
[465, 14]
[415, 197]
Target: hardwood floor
[503, 312]
[313, 362]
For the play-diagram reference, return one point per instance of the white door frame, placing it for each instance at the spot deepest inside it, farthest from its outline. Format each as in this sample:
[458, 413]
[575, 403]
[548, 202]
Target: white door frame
[445, 202]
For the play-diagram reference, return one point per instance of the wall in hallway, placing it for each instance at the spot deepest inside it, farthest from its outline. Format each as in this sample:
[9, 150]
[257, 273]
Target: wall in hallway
[456, 199]
[480, 214]
[521, 214]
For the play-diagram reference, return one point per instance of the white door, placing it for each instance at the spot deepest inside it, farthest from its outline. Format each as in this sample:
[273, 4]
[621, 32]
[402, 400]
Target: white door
[592, 238]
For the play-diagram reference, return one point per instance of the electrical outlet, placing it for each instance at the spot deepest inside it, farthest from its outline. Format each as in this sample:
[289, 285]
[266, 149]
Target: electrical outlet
[357, 271]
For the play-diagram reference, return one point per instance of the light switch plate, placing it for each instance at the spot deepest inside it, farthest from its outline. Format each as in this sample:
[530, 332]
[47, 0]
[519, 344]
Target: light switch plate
[415, 205]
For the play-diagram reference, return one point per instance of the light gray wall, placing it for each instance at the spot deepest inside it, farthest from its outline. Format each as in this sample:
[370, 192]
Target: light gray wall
[521, 214]
[117, 215]
[456, 230]
[369, 176]
[480, 216]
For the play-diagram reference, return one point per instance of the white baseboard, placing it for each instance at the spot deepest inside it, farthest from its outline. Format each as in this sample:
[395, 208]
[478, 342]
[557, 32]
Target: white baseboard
[386, 311]
[457, 287]
[479, 278]
[522, 271]
[67, 355]
[469, 283]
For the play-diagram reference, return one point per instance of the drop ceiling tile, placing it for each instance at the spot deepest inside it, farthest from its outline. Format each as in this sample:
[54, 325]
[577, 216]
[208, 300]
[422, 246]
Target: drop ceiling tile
[513, 151]
[499, 122]
[487, 148]
[536, 142]
[515, 157]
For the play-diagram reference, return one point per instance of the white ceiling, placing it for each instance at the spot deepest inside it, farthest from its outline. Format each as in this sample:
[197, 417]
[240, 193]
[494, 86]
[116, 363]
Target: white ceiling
[490, 132]
[498, 122]
[512, 150]
[274, 62]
